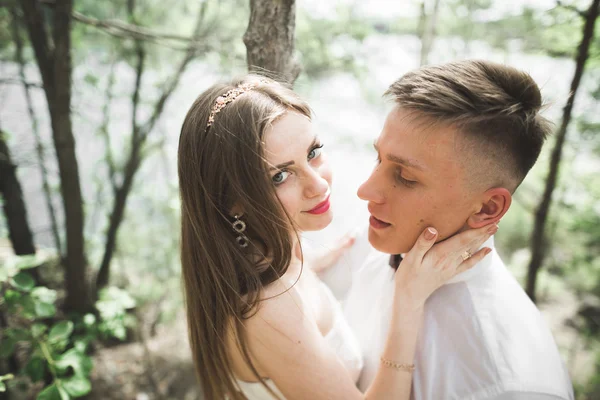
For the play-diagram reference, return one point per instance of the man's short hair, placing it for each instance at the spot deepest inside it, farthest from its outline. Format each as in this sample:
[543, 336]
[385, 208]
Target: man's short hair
[494, 105]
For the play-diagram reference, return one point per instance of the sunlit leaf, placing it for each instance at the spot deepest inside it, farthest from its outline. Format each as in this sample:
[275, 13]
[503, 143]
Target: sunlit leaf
[60, 331]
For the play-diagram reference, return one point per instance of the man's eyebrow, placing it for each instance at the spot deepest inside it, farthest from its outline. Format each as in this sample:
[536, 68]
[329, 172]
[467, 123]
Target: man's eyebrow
[281, 166]
[400, 160]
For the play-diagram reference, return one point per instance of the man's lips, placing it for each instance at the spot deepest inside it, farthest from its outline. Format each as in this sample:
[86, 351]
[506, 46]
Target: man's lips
[377, 223]
[321, 207]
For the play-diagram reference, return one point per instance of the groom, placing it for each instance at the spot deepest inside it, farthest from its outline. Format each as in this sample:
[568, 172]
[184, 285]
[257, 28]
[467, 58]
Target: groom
[459, 141]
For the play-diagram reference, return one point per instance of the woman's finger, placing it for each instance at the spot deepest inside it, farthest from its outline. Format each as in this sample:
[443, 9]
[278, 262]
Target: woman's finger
[472, 261]
[470, 239]
[478, 241]
[424, 242]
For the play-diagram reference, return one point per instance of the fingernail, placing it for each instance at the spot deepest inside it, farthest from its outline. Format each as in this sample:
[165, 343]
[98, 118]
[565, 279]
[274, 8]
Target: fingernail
[492, 229]
[487, 251]
[430, 233]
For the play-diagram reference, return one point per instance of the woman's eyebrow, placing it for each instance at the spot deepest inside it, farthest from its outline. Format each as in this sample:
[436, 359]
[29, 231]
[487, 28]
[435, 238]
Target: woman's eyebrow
[282, 166]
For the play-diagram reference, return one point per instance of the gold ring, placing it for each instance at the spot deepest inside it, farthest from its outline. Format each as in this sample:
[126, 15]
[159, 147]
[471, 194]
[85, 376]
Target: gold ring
[466, 255]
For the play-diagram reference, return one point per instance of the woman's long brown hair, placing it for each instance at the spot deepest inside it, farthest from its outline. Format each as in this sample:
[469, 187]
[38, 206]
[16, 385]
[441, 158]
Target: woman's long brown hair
[219, 169]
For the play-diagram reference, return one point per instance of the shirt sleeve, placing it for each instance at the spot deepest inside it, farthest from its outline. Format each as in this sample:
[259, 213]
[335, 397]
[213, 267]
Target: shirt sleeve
[526, 396]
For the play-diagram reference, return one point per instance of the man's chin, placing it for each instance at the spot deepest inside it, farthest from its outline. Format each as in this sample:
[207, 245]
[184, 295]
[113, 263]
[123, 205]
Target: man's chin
[386, 244]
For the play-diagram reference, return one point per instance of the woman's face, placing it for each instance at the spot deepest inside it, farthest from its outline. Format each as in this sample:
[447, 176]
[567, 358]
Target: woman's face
[299, 170]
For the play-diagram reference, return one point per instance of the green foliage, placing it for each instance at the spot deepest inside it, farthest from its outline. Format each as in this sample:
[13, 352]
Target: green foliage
[58, 348]
[331, 45]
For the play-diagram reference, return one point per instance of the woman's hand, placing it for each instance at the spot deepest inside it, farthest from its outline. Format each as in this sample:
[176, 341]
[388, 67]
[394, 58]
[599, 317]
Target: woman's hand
[427, 266]
[331, 255]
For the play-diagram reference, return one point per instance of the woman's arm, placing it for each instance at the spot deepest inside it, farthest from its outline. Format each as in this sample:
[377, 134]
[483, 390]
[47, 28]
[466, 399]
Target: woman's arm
[288, 347]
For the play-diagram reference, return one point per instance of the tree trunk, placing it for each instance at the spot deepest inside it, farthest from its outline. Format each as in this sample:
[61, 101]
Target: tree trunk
[428, 32]
[270, 41]
[541, 214]
[55, 68]
[34, 128]
[14, 205]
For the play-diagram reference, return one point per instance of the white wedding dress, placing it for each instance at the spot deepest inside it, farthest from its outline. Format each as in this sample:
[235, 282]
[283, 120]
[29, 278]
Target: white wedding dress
[342, 341]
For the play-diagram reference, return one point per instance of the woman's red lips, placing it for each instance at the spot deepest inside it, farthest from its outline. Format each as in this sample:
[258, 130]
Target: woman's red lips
[321, 207]
[377, 223]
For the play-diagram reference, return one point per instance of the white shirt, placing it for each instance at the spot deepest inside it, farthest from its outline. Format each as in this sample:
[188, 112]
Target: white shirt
[482, 337]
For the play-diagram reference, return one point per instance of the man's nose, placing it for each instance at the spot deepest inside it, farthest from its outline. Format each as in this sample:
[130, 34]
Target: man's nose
[371, 190]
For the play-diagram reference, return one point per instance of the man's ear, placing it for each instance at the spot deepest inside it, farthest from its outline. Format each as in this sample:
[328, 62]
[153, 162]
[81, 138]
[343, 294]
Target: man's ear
[495, 203]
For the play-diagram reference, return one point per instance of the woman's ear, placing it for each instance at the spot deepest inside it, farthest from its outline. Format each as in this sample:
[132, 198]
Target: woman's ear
[494, 204]
[236, 210]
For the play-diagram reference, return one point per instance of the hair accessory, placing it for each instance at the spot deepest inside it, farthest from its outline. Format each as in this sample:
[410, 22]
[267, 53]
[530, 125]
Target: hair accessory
[230, 96]
[240, 226]
[401, 367]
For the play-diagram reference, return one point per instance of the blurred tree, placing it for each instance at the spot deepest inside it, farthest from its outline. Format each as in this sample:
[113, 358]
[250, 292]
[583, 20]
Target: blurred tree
[139, 135]
[14, 207]
[270, 38]
[538, 238]
[20, 60]
[427, 28]
[53, 55]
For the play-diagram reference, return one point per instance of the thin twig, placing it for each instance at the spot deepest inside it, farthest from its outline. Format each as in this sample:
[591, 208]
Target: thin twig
[14, 81]
[581, 13]
[104, 127]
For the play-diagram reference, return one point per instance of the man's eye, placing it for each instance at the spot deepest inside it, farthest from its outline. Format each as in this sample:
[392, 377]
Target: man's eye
[280, 177]
[315, 152]
[405, 181]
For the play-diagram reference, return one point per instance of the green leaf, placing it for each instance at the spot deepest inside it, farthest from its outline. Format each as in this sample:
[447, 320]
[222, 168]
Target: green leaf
[77, 386]
[35, 369]
[28, 305]
[2, 387]
[81, 363]
[61, 390]
[38, 329]
[29, 261]
[22, 281]
[60, 331]
[50, 393]
[44, 294]
[7, 347]
[12, 297]
[44, 310]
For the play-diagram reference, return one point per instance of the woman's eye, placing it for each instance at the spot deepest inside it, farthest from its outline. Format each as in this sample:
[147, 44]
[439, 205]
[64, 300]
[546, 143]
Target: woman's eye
[315, 152]
[280, 177]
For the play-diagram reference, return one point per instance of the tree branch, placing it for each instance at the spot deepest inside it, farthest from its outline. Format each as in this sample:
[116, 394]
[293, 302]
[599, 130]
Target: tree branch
[104, 127]
[174, 81]
[582, 14]
[13, 81]
[538, 237]
[138, 139]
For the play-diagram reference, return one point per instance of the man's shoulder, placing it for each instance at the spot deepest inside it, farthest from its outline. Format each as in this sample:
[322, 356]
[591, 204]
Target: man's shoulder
[489, 329]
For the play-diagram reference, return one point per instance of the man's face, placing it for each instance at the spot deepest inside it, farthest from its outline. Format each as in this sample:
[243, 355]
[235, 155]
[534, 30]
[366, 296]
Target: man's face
[418, 182]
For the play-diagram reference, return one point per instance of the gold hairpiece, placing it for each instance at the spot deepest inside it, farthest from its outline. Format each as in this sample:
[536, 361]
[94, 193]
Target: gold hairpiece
[230, 96]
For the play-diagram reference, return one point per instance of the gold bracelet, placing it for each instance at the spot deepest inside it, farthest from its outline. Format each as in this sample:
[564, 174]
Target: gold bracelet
[401, 367]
